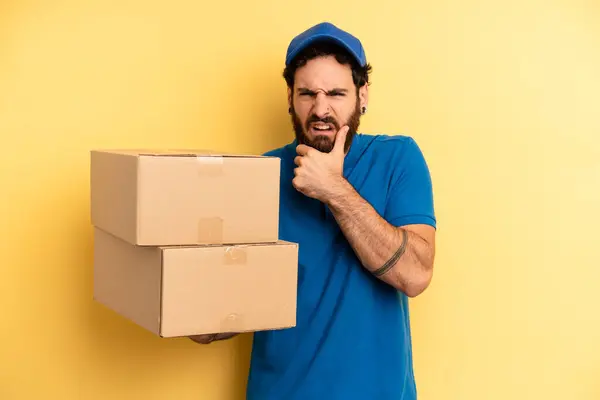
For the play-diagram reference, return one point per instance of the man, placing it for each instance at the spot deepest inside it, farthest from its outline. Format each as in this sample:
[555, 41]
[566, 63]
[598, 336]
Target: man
[361, 208]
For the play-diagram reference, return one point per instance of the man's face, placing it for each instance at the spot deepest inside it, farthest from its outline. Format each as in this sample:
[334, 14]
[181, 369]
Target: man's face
[323, 100]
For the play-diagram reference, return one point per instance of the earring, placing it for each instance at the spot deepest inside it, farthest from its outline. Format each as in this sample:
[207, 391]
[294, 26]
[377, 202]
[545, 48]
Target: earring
[364, 110]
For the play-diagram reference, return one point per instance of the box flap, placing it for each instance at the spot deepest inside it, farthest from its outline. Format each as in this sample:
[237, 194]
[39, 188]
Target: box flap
[178, 153]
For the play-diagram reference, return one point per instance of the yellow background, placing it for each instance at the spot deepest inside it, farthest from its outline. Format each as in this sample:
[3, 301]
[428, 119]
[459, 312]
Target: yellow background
[503, 97]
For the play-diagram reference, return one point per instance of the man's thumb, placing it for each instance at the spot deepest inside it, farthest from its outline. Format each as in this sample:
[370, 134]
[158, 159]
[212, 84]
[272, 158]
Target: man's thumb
[340, 139]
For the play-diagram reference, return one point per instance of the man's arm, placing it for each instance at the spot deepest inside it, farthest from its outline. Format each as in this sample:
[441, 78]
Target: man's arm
[400, 256]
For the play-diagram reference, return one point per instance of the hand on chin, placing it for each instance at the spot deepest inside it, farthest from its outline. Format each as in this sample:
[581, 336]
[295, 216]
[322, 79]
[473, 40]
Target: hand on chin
[318, 172]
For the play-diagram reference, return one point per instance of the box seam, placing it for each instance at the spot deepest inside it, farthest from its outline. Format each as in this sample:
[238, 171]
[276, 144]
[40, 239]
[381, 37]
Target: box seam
[161, 260]
[138, 220]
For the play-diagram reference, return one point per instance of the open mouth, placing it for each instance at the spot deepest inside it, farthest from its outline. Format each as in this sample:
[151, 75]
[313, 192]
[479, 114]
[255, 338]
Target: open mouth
[322, 127]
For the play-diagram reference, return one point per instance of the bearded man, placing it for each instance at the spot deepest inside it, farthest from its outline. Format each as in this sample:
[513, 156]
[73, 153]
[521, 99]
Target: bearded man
[361, 208]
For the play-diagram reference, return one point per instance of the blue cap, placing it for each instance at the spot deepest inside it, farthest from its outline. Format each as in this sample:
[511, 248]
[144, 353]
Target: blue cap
[328, 32]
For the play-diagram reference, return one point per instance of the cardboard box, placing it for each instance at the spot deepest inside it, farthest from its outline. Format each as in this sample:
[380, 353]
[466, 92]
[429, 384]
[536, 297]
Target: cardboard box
[161, 198]
[190, 290]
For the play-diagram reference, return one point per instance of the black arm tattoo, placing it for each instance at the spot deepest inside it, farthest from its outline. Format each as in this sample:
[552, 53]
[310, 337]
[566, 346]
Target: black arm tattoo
[395, 257]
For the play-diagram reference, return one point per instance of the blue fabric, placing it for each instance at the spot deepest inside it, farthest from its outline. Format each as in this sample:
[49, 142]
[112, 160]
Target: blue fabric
[352, 339]
[330, 32]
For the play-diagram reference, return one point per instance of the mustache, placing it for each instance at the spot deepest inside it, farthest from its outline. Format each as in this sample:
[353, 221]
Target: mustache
[327, 120]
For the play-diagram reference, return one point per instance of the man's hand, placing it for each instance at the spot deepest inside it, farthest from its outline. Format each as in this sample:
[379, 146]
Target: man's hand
[318, 174]
[209, 338]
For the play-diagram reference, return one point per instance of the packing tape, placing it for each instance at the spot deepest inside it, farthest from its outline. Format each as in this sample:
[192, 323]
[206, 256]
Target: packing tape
[210, 230]
[210, 165]
[235, 255]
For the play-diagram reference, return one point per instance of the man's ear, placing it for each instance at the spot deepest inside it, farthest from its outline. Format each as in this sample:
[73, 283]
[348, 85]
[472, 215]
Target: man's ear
[289, 96]
[363, 96]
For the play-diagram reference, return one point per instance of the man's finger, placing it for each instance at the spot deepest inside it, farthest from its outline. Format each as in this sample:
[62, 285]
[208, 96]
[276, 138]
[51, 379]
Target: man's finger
[298, 160]
[297, 183]
[302, 149]
[340, 139]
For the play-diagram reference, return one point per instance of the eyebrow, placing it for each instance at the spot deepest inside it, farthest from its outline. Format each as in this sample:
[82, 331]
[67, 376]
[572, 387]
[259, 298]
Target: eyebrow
[330, 92]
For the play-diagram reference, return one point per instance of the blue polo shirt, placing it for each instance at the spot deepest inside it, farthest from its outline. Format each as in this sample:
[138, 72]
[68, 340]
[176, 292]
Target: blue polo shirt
[352, 339]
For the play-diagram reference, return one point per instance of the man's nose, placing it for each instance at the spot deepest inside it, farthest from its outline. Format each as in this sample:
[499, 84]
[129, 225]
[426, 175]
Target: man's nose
[321, 106]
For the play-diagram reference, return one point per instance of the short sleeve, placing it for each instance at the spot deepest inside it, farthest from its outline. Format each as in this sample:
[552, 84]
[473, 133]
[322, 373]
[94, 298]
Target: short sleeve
[410, 197]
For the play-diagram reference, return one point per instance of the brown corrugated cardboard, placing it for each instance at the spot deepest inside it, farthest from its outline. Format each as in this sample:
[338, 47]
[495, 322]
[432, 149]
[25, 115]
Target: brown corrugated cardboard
[179, 291]
[181, 197]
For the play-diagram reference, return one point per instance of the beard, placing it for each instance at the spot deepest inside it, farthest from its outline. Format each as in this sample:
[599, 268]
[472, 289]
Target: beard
[324, 143]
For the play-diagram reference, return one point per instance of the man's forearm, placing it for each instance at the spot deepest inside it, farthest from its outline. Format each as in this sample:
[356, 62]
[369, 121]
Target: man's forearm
[399, 257]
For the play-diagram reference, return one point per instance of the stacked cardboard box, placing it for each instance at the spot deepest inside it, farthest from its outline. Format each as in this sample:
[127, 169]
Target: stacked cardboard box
[186, 242]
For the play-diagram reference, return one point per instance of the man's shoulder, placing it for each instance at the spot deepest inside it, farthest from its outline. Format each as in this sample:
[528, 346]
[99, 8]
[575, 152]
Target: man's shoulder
[276, 152]
[395, 147]
[389, 141]
[398, 156]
